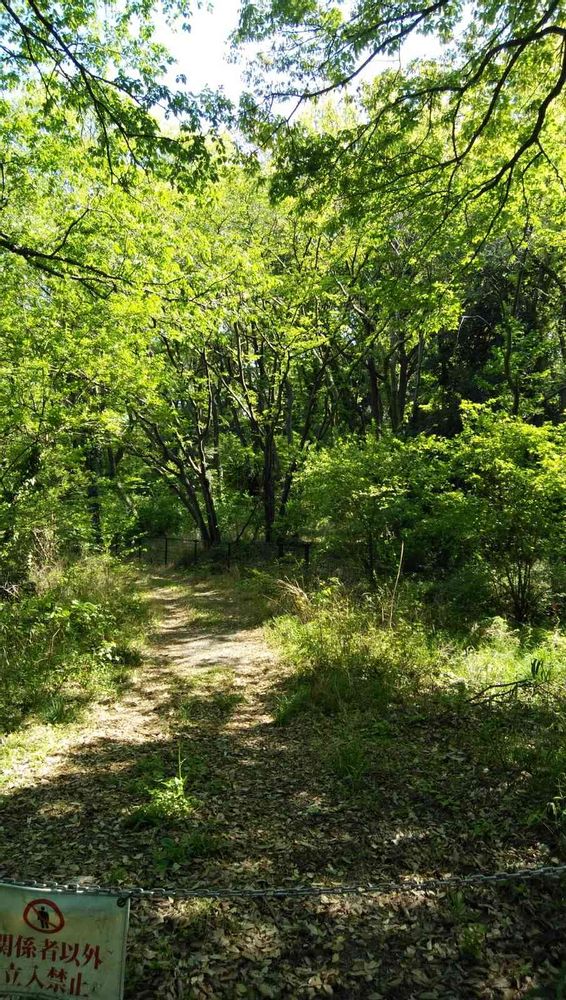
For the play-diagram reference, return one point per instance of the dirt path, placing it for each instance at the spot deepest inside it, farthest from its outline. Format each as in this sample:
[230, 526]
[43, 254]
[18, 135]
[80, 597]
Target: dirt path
[265, 808]
[76, 777]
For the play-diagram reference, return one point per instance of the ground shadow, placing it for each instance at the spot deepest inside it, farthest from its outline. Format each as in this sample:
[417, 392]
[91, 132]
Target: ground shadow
[433, 796]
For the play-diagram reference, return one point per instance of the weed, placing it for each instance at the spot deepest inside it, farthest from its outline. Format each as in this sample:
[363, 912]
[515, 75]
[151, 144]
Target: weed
[471, 940]
[168, 802]
[484, 827]
[540, 671]
[116, 874]
[556, 808]
[60, 709]
[174, 852]
[457, 907]
[349, 760]
[288, 706]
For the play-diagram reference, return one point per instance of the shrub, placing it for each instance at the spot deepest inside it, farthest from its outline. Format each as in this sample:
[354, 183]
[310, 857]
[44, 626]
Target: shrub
[72, 638]
[345, 657]
[485, 508]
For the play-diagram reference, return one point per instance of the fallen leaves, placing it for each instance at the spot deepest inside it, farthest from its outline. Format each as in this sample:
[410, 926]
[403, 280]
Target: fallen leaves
[427, 806]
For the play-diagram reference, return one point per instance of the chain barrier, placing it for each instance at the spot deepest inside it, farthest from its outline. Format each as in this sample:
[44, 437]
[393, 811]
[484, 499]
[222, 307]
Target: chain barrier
[368, 888]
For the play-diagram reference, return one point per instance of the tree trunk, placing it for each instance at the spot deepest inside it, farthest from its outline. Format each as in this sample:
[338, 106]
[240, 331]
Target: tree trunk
[213, 531]
[268, 485]
[92, 462]
[416, 411]
[376, 402]
[216, 440]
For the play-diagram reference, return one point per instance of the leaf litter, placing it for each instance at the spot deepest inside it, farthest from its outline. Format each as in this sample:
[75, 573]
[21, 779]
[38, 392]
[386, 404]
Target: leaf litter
[267, 808]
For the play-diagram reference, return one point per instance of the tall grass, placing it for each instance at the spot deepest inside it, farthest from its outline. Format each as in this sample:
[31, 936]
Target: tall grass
[67, 641]
[370, 692]
[345, 654]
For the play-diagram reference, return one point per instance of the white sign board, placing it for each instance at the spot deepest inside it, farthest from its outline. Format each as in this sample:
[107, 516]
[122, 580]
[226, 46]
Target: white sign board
[61, 944]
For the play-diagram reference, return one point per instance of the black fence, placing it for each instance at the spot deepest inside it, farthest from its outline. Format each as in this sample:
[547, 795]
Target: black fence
[175, 550]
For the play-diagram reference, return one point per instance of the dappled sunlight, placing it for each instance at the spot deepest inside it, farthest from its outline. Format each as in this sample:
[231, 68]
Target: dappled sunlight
[187, 780]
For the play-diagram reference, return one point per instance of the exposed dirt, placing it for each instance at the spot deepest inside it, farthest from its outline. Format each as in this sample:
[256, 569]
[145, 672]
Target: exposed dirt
[267, 810]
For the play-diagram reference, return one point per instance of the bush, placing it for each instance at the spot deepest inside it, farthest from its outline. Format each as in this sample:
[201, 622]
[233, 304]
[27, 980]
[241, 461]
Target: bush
[480, 515]
[344, 656]
[70, 639]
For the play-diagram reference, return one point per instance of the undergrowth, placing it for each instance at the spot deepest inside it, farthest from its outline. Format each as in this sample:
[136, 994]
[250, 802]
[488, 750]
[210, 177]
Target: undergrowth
[345, 653]
[360, 675]
[70, 640]
[167, 800]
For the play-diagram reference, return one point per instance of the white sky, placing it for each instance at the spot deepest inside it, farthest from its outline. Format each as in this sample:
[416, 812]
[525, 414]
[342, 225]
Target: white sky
[202, 54]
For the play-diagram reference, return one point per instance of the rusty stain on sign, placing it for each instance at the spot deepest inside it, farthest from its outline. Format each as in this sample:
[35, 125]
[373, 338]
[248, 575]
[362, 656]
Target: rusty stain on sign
[62, 944]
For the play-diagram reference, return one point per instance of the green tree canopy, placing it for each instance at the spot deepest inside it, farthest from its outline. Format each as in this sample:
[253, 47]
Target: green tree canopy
[101, 65]
[502, 75]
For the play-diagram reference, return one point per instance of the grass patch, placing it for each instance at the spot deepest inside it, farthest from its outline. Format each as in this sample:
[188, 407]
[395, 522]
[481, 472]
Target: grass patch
[344, 661]
[22, 751]
[61, 709]
[349, 759]
[495, 696]
[173, 853]
[212, 696]
[343, 655]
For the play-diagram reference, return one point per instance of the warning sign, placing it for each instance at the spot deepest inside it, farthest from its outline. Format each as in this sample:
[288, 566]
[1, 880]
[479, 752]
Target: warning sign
[64, 944]
[43, 915]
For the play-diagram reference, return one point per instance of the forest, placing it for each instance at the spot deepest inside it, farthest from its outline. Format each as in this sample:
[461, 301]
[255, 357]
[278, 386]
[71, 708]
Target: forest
[282, 392]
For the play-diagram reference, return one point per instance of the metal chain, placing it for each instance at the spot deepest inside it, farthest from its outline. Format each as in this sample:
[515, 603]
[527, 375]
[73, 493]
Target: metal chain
[383, 888]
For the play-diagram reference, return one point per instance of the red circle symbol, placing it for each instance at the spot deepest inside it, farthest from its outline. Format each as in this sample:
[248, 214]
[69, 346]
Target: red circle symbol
[43, 915]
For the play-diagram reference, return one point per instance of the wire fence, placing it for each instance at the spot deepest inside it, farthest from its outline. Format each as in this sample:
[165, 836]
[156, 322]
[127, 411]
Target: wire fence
[167, 550]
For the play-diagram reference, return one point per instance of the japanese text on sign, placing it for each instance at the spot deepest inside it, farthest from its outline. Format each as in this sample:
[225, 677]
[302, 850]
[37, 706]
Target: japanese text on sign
[72, 946]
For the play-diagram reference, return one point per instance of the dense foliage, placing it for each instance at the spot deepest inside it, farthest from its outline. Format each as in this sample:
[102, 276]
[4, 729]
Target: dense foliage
[335, 331]
[350, 363]
[453, 107]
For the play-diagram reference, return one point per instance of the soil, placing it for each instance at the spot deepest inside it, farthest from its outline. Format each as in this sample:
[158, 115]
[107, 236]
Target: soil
[266, 809]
